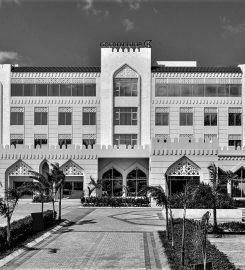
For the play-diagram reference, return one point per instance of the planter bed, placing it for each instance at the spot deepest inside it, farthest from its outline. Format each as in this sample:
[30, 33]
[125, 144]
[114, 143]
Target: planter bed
[22, 233]
[223, 215]
[193, 253]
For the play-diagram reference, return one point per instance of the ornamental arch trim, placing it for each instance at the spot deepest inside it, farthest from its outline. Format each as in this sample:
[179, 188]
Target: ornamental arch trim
[183, 167]
[110, 166]
[71, 168]
[19, 168]
[137, 166]
[125, 71]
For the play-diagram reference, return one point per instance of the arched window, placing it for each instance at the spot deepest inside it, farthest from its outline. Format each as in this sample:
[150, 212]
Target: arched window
[238, 185]
[112, 183]
[136, 181]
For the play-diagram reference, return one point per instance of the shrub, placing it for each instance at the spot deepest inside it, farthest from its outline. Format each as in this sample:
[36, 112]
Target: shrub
[22, 229]
[193, 253]
[202, 200]
[116, 202]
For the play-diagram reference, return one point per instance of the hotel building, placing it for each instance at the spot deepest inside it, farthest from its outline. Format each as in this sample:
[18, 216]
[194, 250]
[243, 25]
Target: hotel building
[127, 122]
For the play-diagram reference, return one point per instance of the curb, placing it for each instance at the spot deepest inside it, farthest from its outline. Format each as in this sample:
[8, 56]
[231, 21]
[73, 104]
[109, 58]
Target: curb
[18, 252]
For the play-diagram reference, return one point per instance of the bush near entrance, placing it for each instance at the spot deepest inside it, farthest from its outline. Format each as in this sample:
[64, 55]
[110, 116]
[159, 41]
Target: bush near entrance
[193, 254]
[115, 202]
[22, 230]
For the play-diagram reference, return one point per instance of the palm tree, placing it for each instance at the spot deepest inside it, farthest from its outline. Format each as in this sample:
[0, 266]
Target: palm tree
[218, 182]
[7, 207]
[43, 186]
[94, 185]
[58, 178]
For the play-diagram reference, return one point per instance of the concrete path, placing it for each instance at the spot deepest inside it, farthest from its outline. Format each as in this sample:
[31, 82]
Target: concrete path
[233, 247]
[102, 238]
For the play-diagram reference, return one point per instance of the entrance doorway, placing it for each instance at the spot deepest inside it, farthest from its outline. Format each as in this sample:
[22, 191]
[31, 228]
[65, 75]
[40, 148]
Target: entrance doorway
[73, 187]
[178, 183]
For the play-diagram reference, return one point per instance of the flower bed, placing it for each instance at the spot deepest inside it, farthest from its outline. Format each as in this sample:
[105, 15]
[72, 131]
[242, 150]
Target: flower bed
[193, 254]
[116, 202]
[22, 229]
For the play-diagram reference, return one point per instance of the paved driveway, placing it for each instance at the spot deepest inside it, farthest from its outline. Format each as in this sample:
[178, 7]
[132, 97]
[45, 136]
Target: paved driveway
[102, 238]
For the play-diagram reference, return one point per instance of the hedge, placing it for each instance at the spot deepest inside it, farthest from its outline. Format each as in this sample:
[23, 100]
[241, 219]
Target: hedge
[193, 253]
[116, 202]
[22, 229]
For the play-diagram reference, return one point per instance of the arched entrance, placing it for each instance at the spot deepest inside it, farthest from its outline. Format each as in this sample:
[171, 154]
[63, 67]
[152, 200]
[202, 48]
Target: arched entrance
[136, 182]
[73, 186]
[181, 172]
[18, 174]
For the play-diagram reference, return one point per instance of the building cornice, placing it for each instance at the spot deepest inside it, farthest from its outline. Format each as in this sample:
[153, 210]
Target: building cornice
[195, 75]
[56, 100]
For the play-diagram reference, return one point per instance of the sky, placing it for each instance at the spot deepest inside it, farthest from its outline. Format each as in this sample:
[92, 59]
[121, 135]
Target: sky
[69, 32]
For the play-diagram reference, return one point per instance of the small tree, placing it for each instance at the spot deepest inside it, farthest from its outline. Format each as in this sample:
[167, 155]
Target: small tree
[7, 207]
[58, 177]
[94, 185]
[217, 184]
[200, 236]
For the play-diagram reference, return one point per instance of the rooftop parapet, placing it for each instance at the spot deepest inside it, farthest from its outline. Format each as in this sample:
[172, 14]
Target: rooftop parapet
[72, 151]
[183, 146]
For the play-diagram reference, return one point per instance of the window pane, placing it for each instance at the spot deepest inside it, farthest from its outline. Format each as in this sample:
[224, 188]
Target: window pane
[186, 90]
[90, 89]
[68, 118]
[125, 87]
[44, 118]
[161, 119]
[198, 90]
[77, 90]
[238, 119]
[62, 118]
[189, 119]
[182, 119]
[223, 90]
[174, 90]
[65, 90]
[41, 90]
[16, 90]
[37, 118]
[235, 90]
[161, 90]
[29, 90]
[53, 90]
[85, 118]
[211, 91]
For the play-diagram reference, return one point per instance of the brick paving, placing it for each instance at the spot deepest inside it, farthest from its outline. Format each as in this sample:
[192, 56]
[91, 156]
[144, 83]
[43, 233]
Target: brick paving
[233, 246]
[102, 238]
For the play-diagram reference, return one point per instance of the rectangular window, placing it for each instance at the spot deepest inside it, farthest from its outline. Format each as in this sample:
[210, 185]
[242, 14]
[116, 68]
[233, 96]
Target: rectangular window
[41, 116]
[89, 116]
[186, 116]
[89, 139]
[77, 90]
[198, 90]
[211, 90]
[125, 87]
[17, 116]
[16, 90]
[235, 140]
[53, 90]
[16, 139]
[209, 137]
[223, 90]
[40, 139]
[41, 90]
[210, 116]
[161, 90]
[128, 139]
[186, 90]
[235, 90]
[89, 89]
[125, 116]
[235, 116]
[65, 116]
[174, 90]
[65, 90]
[161, 116]
[29, 90]
[64, 139]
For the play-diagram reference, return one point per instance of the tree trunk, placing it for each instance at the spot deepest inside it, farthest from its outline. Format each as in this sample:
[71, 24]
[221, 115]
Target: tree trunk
[183, 239]
[166, 211]
[215, 225]
[60, 205]
[8, 232]
[53, 209]
[42, 207]
[172, 225]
